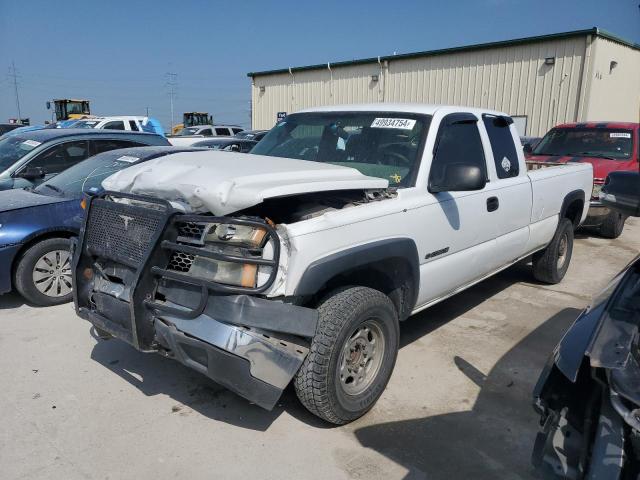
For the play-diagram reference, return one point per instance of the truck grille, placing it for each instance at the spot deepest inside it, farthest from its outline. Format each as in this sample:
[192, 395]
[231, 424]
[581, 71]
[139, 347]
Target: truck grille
[122, 232]
[181, 262]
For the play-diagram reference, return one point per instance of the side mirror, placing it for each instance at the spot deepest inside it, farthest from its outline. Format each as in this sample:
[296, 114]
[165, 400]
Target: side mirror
[459, 177]
[621, 192]
[527, 148]
[31, 173]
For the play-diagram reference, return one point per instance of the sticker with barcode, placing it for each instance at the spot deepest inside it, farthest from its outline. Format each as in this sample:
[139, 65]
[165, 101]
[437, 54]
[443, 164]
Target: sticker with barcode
[401, 123]
[619, 135]
[128, 159]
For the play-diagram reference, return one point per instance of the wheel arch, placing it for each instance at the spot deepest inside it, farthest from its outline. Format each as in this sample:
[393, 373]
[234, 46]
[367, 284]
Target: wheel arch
[573, 207]
[37, 237]
[390, 266]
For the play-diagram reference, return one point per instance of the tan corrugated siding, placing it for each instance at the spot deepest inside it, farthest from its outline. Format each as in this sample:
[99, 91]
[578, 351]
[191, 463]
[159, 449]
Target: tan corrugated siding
[614, 93]
[512, 78]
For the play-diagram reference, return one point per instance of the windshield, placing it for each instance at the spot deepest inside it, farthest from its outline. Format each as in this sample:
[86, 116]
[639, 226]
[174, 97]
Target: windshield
[611, 143]
[379, 144]
[86, 176]
[85, 124]
[13, 149]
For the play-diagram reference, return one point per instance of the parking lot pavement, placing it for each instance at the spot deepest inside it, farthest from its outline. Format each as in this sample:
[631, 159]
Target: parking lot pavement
[458, 404]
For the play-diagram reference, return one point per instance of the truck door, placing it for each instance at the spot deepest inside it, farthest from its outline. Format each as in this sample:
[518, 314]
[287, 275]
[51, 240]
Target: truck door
[458, 244]
[511, 189]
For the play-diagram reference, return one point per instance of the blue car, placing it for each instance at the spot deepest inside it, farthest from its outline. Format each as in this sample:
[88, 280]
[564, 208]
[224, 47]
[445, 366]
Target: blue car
[37, 225]
[30, 158]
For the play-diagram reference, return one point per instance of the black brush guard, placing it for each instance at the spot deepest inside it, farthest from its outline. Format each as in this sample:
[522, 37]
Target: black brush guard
[122, 286]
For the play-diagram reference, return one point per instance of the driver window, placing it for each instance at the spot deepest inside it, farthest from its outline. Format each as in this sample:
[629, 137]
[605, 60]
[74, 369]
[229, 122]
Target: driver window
[457, 143]
[60, 157]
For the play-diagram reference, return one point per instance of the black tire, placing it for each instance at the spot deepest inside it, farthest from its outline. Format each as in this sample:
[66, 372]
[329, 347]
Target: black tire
[547, 266]
[613, 225]
[343, 313]
[24, 272]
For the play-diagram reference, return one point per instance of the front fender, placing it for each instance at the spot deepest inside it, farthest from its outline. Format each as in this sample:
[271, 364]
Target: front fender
[324, 269]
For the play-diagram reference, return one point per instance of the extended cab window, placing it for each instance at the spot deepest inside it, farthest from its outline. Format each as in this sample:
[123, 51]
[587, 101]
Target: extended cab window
[224, 132]
[457, 143]
[379, 144]
[505, 155]
[133, 125]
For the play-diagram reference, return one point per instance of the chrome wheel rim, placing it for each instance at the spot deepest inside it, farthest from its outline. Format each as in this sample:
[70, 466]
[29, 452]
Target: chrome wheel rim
[52, 273]
[562, 252]
[361, 358]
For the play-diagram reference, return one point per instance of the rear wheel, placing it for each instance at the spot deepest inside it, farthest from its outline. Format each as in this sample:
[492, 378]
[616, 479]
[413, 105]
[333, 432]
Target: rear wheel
[551, 264]
[613, 225]
[352, 355]
[43, 273]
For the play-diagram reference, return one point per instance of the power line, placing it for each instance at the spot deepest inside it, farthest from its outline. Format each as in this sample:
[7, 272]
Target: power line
[14, 75]
[172, 85]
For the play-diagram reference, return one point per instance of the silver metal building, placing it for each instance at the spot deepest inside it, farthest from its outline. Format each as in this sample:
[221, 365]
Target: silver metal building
[541, 81]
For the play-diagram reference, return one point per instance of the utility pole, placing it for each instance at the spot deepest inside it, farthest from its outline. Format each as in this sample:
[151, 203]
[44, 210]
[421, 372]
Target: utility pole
[172, 84]
[14, 75]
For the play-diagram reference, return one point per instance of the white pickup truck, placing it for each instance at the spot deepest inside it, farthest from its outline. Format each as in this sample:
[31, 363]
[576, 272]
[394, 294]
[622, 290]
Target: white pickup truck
[298, 262]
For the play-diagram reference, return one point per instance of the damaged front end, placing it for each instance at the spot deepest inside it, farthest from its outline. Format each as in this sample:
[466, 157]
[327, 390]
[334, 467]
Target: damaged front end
[192, 287]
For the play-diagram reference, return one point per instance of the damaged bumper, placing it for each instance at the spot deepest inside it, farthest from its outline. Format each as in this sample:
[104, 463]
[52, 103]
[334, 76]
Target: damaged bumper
[124, 286]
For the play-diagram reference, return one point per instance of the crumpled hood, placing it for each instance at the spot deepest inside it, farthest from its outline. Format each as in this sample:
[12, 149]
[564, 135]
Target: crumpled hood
[18, 199]
[601, 166]
[225, 182]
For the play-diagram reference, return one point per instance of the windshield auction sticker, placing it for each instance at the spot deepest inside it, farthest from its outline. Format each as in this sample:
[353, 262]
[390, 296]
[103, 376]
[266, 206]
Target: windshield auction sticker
[30, 143]
[401, 123]
[619, 135]
[128, 159]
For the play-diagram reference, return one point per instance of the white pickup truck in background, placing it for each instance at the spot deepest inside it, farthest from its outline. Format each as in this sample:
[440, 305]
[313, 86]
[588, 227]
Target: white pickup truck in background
[297, 261]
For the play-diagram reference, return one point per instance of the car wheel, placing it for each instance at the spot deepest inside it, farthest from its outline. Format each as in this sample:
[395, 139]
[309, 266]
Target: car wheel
[551, 264]
[613, 225]
[43, 273]
[352, 355]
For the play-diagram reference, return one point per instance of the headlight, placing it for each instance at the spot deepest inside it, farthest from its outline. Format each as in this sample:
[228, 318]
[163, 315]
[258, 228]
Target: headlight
[233, 234]
[226, 240]
[230, 273]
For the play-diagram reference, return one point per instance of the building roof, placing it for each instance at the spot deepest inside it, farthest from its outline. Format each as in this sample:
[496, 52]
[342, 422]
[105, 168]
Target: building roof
[503, 43]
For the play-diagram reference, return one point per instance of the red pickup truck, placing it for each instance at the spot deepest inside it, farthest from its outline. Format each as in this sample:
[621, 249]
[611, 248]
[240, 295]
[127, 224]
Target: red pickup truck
[608, 146]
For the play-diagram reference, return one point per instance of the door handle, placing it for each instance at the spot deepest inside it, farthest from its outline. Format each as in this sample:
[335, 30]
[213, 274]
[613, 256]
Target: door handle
[492, 204]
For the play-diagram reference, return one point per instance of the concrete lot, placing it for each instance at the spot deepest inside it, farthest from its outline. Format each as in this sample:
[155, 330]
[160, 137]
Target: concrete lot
[458, 404]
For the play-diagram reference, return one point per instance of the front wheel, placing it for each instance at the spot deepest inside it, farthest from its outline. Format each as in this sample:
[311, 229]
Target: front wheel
[352, 355]
[551, 264]
[43, 273]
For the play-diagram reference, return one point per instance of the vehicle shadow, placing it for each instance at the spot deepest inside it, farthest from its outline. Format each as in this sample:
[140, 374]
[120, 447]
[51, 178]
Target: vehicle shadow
[12, 300]
[434, 317]
[153, 374]
[492, 440]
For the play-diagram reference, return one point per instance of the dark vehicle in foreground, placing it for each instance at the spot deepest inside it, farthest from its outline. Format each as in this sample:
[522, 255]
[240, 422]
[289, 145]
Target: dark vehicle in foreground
[608, 146]
[256, 135]
[36, 227]
[31, 158]
[588, 396]
[227, 144]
